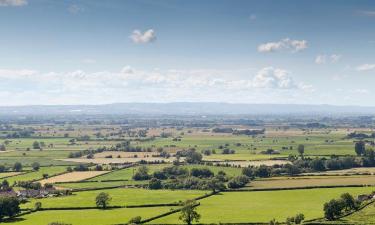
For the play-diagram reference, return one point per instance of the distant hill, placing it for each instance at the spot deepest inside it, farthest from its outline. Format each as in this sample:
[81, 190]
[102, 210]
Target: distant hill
[186, 108]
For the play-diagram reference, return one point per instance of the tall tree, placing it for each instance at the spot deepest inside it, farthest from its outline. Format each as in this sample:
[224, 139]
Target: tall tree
[102, 200]
[189, 213]
[360, 148]
[301, 150]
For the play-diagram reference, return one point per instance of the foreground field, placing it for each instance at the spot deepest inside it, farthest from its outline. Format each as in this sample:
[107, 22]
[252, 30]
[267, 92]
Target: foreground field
[120, 197]
[88, 217]
[262, 206]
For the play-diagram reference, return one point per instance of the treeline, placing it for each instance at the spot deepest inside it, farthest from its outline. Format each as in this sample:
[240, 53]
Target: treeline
[237, 132]
[360, 135]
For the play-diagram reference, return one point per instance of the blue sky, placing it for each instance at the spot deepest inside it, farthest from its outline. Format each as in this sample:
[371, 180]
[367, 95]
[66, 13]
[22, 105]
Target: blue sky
[93, 52]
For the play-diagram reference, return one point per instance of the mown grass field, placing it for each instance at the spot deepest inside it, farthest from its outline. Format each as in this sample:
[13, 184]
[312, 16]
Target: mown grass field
[120, 197]
[88, 217]
[291, 182]
[262, 206]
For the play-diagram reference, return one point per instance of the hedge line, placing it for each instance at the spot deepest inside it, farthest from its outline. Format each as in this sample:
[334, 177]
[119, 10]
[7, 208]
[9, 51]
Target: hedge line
[109, 207]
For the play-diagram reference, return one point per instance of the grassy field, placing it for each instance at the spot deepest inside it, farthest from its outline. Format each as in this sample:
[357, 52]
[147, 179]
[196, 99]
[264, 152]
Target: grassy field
[36, 175]
[262, 206]
[120, 197]
[88, 217]
[290, 182]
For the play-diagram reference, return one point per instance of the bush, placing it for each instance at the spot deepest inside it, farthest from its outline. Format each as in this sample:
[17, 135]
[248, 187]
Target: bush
[135, 220]
[238, 182]
[141, 174]
[201, 172]
[155, 184]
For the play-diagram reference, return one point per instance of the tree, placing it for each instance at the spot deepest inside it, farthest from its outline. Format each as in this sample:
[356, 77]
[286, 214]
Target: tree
[17, 167]
[141, 174]
[155, 184]
[5, 185]
[102, 200]
[36, 145]
[295, 220]
[37, 206]
[35, 166]
[2, 147]
[332, 209]
[317, 164]
[248, 171]
[348, 201]
[193, 157]
[301, 150]
[299, 218]
[215, 184]
[9, 206]
[189, 213]
[360, 148]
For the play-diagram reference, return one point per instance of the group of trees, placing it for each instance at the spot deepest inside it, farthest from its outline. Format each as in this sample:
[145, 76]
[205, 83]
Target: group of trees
[178, 177]
[9, 206]
[17, 167]
[335, 207]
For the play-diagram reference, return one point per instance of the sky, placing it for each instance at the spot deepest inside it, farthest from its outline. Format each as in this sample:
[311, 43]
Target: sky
[98, 52]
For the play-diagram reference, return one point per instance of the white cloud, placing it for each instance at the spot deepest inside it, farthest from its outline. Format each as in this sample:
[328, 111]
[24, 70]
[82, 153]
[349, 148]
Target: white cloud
[13, 2]
[322, 59]
[75, 9]
[284, 44]
[146, 37]
[273, 78]
[366, 67]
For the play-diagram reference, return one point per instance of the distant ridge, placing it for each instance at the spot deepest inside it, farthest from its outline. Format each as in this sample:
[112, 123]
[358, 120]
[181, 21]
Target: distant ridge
[186, 108]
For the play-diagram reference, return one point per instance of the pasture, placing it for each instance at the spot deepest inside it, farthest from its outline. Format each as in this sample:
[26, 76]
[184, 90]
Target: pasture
[262, 206]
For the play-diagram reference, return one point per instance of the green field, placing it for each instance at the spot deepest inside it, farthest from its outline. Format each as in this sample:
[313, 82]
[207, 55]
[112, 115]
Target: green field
[88, 217]
[120, 197]
[242, 207]
[37, 175]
